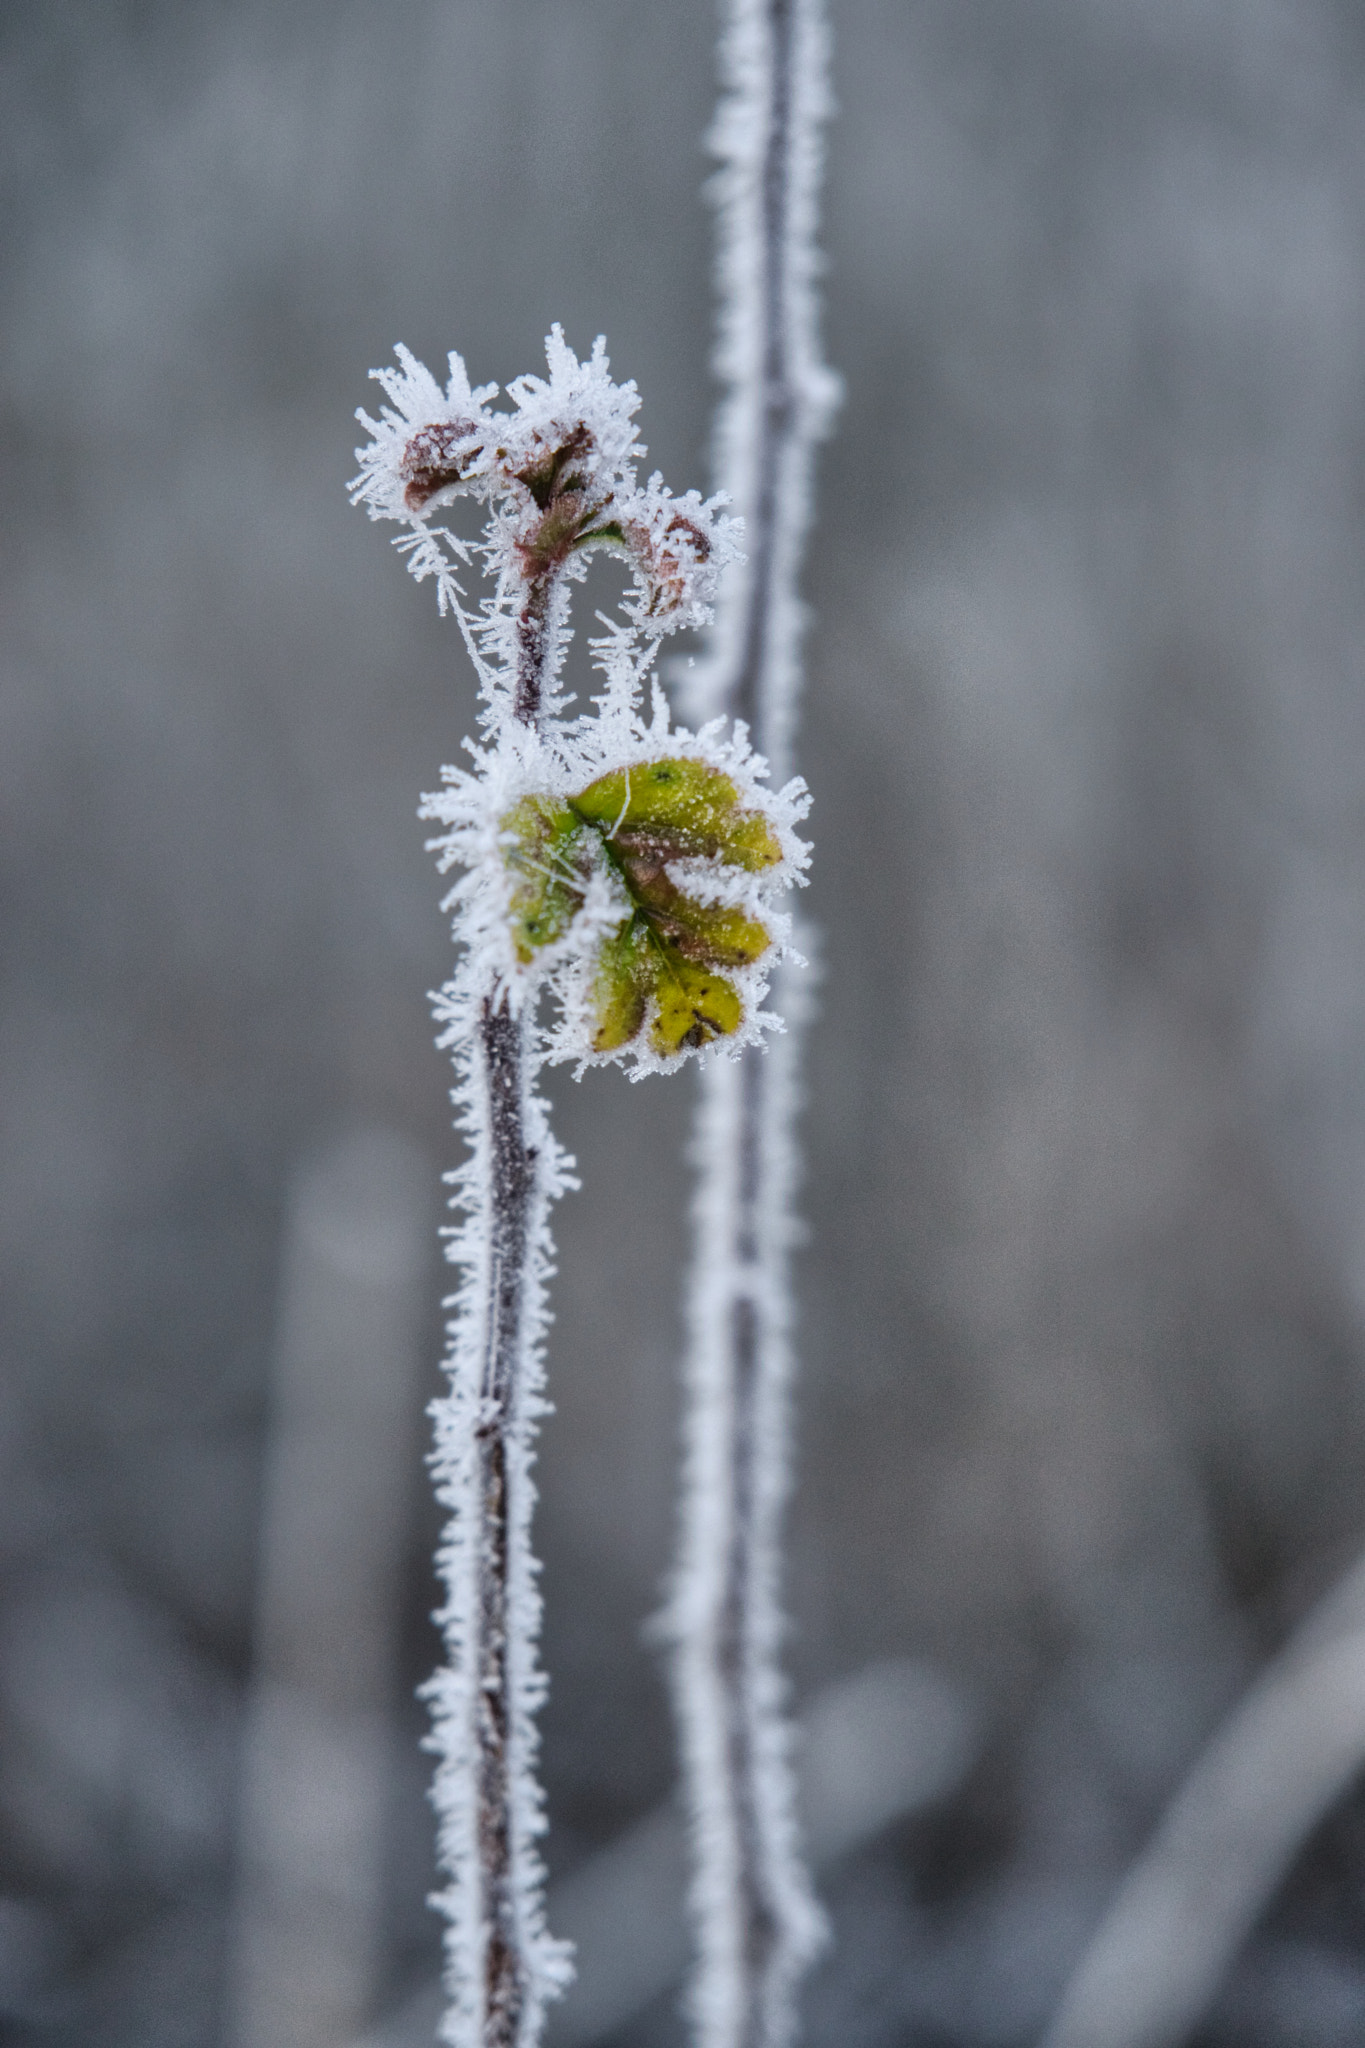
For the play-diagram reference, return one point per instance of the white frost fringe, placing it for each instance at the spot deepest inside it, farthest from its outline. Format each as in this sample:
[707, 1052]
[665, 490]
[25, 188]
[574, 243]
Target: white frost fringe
[748, 1863]
[756, 1919]
[767, 353]
[455, 1465]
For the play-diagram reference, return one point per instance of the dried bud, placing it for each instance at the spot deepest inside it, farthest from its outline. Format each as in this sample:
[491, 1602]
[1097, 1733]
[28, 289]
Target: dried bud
[561, 469]
[439, 455]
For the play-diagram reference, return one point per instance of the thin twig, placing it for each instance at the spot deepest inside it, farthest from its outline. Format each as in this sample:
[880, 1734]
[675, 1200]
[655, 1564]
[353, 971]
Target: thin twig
[510, 1192]
[504, 1065]
[1287, 1751]
[756, 1919]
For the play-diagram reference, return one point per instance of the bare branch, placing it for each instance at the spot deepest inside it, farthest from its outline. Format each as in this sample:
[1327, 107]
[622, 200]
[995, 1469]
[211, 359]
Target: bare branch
[756, 1919]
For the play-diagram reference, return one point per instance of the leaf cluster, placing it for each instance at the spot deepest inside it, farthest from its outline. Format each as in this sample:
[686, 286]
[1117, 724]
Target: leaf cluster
[670, 834]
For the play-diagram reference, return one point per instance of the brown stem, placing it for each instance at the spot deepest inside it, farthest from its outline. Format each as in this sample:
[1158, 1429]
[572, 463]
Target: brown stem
[510, 1197]
[533, 632]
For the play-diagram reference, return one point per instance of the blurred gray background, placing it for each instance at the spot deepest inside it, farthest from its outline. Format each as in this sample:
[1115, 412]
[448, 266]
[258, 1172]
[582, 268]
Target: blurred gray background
[1083, 1403]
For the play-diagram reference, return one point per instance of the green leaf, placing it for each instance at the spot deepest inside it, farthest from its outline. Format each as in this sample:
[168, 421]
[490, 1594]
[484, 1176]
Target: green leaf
[689, 805]
[715, 933]
[621, 985]
[543, 846]
[692, 1005]
[664, 961]
[610, 534]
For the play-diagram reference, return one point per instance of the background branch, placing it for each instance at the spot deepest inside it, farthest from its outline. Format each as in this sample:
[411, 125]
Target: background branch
[756, 1921]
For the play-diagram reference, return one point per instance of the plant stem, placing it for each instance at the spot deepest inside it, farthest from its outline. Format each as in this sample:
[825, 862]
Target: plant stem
[499, 1950]
[754, 1536]
[750, 687]
[533, 640]
[756, 1918]
[510, 1193]
[757, 1922]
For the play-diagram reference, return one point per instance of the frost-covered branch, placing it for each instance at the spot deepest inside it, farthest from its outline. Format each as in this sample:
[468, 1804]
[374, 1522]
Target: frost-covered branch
[756, 1919]
[631, 872]
[777, 395]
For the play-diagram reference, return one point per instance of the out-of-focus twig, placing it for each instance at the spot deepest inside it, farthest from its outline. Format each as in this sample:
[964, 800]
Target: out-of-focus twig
[757, 1924]
[335, 1495]
[1269, 1774]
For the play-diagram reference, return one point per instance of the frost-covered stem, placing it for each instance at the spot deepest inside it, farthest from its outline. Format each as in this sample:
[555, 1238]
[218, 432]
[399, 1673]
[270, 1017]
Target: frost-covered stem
[505, 1061]
[756, 1919]
[775, 399]
[498, 1945]
[533, 643]
[511, 1188]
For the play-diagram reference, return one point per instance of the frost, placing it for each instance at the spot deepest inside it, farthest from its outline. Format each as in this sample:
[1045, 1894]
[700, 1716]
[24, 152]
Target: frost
[778, 395]
[724, 1618]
